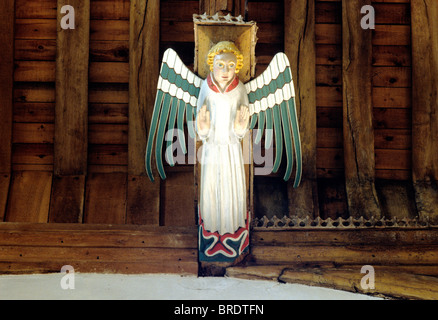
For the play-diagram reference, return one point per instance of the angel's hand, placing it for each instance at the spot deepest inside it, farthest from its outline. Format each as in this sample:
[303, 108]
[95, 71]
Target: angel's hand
[203, 120]
[242, 119]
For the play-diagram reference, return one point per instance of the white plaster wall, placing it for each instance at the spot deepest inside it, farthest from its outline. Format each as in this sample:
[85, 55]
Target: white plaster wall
[157, 287]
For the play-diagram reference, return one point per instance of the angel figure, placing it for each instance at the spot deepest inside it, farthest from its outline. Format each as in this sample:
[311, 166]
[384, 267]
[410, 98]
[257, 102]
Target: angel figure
[221, 110]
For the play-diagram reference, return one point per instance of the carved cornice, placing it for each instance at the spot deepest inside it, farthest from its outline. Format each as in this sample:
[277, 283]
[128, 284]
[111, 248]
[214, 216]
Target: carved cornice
[308, 222]
[205, 18]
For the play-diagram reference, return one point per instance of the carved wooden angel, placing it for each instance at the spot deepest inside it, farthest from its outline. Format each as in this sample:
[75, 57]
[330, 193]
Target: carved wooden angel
[224, 110]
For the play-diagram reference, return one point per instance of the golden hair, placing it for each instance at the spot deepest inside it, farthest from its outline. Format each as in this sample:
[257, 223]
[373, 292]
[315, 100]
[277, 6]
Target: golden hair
[223, 47]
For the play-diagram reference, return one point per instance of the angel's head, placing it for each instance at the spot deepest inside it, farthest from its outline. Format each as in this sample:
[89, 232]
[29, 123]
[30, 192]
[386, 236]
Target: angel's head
[225, 60]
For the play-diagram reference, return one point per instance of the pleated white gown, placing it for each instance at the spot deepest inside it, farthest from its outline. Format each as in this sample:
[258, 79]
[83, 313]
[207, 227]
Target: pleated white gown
[223, 189]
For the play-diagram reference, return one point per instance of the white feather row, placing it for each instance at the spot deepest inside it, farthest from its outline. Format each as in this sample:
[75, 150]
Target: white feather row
[273, 99]
[174, 62]
[170, 88]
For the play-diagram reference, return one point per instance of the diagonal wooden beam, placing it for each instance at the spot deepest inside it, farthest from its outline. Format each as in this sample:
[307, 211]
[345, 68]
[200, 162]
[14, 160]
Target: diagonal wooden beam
[424, 19]
[357, 112]
[71, 114]
[299, 46]
[143, 203]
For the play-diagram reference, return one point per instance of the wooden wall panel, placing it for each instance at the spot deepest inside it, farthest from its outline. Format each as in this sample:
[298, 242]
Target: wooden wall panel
[105, 199]
[34, 107]
[329, 137]
[177, 194]
[328, 82]
[67, 199]
[108, 92]
[29, 197]
[391, 61]
[269, 16]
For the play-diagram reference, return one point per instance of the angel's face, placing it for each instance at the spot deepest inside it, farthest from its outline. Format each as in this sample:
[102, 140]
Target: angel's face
[224, 68]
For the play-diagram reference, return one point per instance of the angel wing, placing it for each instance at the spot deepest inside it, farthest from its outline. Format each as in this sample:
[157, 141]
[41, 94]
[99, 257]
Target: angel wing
[272, 104]
[177, 94]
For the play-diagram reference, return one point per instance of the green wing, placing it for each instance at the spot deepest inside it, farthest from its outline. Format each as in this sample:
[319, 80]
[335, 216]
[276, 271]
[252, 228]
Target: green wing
[175, 102]
[272, 105]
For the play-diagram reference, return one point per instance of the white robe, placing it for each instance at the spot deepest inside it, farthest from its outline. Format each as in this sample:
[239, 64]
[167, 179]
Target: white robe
[223, 188]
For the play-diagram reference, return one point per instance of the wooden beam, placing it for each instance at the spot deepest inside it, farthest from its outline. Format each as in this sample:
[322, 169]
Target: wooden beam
[395, 282]
[425, 107]
[71, 115]
[143, 196]
[371, 237]
[345, 254]
[357, 112]
[299, 46]
[389, 281]
[42, 248]
[6, 84]
[71, 111]
[6, 99]
[97, 235]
